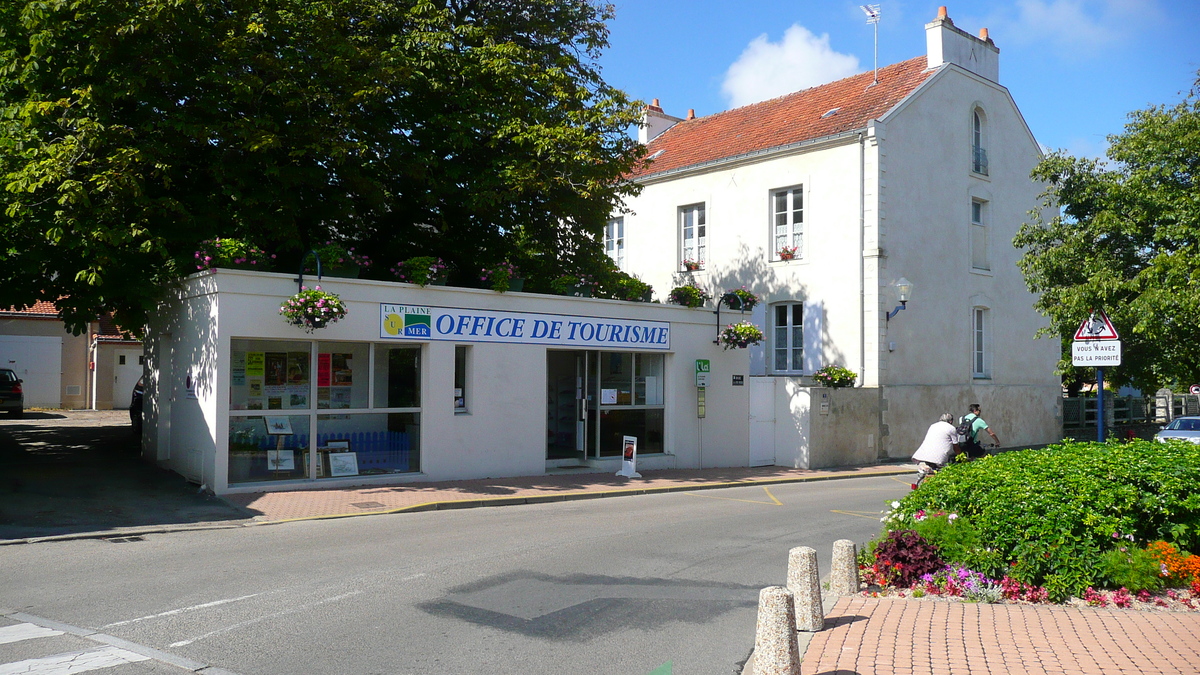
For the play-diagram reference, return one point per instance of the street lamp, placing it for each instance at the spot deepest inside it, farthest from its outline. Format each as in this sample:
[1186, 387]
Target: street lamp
[903, 289]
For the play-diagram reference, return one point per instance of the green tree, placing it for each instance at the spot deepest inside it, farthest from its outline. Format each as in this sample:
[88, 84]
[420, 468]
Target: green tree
[474, 130]
[1124, 237]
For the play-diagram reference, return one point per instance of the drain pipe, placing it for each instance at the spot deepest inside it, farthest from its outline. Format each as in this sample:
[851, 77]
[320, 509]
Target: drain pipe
[862, 242]
[94, 349]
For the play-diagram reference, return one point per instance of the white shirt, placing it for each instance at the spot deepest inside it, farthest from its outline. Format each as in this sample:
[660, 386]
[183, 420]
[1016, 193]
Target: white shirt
[938, 446]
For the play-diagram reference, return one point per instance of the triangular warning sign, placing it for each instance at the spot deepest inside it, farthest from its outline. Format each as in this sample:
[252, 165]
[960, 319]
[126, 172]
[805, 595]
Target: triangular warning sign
[1097, 327]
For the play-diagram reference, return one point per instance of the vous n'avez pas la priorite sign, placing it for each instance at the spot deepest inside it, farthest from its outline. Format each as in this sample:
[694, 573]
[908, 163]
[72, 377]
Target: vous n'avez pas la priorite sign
[1096, 343]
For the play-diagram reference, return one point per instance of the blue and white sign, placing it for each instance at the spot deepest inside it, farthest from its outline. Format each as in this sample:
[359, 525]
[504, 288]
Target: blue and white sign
[421, 322]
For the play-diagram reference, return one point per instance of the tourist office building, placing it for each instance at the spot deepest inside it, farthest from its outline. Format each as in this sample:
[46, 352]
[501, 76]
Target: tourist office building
[431, 384]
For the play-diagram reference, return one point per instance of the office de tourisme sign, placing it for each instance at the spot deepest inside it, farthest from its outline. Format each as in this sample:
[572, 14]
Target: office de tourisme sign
[422, 322]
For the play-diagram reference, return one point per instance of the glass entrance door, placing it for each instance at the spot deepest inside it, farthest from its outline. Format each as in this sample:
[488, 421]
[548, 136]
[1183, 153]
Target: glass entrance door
[570, 405]
[595, 398]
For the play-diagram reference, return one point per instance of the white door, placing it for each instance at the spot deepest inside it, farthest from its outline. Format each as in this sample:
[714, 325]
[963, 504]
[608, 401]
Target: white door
[164, 395]
[37, 360]
[127, 368]
[762, 420]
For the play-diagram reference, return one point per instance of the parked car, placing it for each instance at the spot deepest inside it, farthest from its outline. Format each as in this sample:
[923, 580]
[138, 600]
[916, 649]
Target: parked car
[135, 408]
[12, 398]
[1181, 429]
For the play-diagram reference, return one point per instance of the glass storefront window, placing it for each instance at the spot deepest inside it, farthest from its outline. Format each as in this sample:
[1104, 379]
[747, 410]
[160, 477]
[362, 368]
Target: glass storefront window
[342, 369]
[644, 423]
[268, 447]
[269, 375]
[368, 444]
[616, 378]
[397, 376]
[648, 379]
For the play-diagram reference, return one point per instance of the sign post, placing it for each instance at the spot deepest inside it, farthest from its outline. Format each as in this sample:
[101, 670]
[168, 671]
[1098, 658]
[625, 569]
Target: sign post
[1097, 344]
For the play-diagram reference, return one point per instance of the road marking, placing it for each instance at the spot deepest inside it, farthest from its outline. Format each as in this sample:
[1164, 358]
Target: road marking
[773, 502]
[25, 631]
[413, 576]
[181, 610]
[243, 624]
[874, 515]
[906, 481]
[73, 662]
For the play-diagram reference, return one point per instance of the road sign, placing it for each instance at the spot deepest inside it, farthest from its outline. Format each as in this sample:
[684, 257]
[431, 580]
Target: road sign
[1194, 389]
[1097, 327]
[703, 367]
[1099, 353]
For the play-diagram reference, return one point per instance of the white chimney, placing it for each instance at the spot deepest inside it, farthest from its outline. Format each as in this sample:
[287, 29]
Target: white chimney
[945, 43]
[654, 122]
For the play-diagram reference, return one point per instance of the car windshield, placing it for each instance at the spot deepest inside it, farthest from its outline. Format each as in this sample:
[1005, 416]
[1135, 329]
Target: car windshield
[1184, 425]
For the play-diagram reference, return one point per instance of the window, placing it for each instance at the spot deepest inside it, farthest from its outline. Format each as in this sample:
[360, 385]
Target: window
[614, 241]
[788, 339]
[979, 236]
[692, 234]
[461, 356]
[120, 359]
[979, 160]
[787, 221]
[980, 366]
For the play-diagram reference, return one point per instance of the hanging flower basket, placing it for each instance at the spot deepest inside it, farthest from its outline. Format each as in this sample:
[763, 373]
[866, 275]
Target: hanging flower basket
[422, 270]
[740, 335]
[835, 377]
[739, 299]
[788, 252]
[689, 296]
[231, 254]
[313, 308]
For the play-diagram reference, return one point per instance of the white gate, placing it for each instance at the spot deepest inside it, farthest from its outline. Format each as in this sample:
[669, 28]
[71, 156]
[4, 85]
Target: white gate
[762, 421]
[37, 361]
[127, 368]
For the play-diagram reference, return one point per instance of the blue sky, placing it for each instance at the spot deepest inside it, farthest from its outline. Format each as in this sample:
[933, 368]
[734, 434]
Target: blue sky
[1076, 68]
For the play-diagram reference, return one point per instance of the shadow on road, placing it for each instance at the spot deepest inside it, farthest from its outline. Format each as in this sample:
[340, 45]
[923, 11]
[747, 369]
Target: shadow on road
[68, 472]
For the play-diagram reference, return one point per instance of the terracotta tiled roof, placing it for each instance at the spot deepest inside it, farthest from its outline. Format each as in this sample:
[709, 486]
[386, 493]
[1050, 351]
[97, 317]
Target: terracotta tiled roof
[41, 308]
[786, 120]
[109, 331]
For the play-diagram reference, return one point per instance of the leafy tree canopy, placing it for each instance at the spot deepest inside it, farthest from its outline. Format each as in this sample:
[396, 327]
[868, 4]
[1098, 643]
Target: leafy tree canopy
[474, 130]
[1125, 238]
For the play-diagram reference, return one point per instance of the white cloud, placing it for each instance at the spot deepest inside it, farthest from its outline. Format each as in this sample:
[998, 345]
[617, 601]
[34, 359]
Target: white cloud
[1083, 27]
[768, 69]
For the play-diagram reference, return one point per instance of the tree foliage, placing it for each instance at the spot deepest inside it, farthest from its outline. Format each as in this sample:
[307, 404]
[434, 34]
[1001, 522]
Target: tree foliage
[1125, 238]
[473, 130]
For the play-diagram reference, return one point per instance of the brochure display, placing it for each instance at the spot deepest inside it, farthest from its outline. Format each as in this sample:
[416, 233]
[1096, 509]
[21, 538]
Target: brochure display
[629, 458]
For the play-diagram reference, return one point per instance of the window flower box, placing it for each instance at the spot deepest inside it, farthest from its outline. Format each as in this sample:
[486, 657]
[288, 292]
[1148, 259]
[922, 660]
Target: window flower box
[689, 295]
[422, 270]
[690, 265]
[788, 252]
[232, 254]
[338, 260]
[502, 278]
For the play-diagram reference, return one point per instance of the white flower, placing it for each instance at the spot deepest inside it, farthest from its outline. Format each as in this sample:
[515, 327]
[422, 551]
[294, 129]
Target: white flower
[951, 517]
[895, 505]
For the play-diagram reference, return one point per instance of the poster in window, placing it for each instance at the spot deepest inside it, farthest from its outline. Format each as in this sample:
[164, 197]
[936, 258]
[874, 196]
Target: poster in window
[339, 397]
[255, 364]
[237, 369]
[276, 365]
[343, 370]
[297, 368]
[281, 460]
[343, 464]
[323, 365]
[279, 426]
[297, 396]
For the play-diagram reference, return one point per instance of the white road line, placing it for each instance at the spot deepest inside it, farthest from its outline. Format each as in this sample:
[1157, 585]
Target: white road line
[25, 631]
[243, 624]
[181, 610]
[72, 662]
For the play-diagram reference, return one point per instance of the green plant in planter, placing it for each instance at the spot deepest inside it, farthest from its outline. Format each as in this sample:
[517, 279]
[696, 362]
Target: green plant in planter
[632, 288]
[835, 376]
[422, 270]
[740, 335]
[739, 299]
[502, 277]
[337, 259]
[231, 253]
[582, 285]
[313, 308]
[689, 295]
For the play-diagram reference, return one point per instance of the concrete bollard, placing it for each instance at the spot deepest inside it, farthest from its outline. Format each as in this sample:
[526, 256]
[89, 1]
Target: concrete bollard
[804, 581]
[843, 573]
[776, 648]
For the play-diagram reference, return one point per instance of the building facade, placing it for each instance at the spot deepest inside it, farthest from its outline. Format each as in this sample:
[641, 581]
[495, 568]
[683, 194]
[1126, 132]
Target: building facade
[822, 202]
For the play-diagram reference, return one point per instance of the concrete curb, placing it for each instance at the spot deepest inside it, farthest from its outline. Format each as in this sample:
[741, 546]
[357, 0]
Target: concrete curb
[447, 505]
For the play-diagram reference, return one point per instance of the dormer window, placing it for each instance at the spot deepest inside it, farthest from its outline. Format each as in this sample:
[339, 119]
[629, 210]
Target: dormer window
[979, 159]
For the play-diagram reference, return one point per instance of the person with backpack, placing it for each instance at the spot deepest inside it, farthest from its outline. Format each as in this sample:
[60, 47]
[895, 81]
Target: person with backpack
[968, 432]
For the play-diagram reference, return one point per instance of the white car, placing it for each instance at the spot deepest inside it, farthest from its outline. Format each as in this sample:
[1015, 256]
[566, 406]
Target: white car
[1181, 429]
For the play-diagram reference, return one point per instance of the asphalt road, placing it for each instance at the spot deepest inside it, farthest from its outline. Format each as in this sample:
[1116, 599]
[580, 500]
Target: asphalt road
[596, 586]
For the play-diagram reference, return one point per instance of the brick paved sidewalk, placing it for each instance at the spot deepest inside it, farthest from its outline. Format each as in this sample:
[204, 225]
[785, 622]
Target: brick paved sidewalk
[892, 636]
[335, 503]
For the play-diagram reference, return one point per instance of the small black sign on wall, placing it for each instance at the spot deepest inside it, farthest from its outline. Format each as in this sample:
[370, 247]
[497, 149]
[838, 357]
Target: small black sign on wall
[738, 381]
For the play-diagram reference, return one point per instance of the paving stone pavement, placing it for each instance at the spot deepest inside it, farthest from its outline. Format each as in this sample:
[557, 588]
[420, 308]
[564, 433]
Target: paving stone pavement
[893, 636]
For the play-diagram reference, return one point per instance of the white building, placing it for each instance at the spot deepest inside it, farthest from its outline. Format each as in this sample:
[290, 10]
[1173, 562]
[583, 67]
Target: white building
[921, 175]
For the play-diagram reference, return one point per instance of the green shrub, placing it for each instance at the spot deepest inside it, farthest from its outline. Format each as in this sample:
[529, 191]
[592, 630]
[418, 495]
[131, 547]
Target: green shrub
[1051, 513]
[1130, 567]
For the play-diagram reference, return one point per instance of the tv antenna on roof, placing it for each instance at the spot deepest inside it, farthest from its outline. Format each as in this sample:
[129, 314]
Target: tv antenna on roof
[872, 12]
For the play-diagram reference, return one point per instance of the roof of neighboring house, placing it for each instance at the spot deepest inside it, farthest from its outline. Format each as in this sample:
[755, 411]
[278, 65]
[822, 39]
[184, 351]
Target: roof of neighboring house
[790, 119]
[40, 309]
[109, 331]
